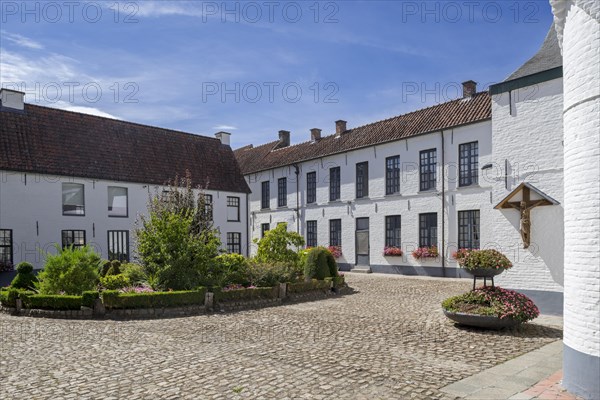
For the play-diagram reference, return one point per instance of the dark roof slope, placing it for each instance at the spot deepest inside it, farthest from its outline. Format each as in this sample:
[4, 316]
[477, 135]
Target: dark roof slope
[57, 142]
[547, 57]
[442, 116]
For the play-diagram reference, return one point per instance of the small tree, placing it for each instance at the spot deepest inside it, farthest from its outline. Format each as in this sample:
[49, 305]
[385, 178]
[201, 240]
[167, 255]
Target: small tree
[176, 242]
[274, 246]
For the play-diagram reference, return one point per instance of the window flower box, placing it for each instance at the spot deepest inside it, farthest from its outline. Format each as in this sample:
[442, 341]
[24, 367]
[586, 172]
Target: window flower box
[336, 251]
[392, 251]
[426, 252]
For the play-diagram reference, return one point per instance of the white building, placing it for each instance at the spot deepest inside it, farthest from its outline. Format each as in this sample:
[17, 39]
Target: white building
[70, 178]
[419, 179]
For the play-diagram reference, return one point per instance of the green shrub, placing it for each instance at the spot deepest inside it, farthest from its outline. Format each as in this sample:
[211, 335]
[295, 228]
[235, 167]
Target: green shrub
[104, 267]
[89, 298]
[228, 269]
[246, 294]
[113, 299]
[320, 264]
[176, 240]
[268, 275]
[8, 297]
[313, 284]
[71, 270]
[115, 268]
[339, 281]
[25, 278]
[134, 272]
[274, 246]
[114, 282]
[51, 302]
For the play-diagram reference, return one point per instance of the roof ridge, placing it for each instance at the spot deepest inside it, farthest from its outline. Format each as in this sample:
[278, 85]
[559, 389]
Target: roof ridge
[123, 121]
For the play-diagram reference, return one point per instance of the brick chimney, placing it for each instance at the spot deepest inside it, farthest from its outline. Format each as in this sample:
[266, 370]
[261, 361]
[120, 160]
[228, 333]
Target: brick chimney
[12, 99]
[469, 89]
[315, 134]
[224, 137]
[340, 127]
[284, 139]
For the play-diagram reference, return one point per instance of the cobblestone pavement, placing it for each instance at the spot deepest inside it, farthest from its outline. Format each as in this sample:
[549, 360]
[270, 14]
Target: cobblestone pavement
[387, 340]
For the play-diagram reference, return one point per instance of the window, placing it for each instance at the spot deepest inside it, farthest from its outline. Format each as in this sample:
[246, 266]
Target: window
[118, 245]
[428, 163]
[264, 228]
[311, 233]
[73, 238]
[117, 201]
[334, 183]
[311, 187]
[234, 242]
[6, 248]
[233, 208]
[208, 206]
[392, 231]
[362, 180]
[428, 230]
[468, 229]
[266, 195]
[468, 154]
[282, 192]
[392, 175]
[73, 199]
[335, 232]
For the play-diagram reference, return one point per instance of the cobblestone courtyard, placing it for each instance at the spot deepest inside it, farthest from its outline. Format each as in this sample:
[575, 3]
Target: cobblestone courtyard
[386, 340]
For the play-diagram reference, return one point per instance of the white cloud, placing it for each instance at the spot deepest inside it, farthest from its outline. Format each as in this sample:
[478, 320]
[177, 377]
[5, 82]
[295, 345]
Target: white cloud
[166, 8]
[225, 127]
[21, 40]
[85, 110]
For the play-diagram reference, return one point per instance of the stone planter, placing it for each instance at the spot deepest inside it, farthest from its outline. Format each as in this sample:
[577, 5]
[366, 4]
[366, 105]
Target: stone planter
[481, 321]
[484, 272]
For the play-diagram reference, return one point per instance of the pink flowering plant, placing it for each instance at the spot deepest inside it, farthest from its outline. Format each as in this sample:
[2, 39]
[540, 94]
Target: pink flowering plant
[137, 289]
[493, 301]
[460, 254]
[393, 251]
[425, 252]
[484, 259]
[336, 251]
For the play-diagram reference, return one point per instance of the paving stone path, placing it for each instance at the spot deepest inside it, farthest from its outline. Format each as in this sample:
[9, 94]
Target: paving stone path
[386, 340]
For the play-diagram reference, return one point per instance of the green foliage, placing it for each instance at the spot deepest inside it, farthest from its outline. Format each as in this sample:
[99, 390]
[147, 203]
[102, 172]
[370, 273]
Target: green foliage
[115, 268]
[8, 297]
[113, 282]
[70, 271]
[320, 264]
[274, 246]
[485, 259]
[113, 299]
[25, 278]
[176, 242]
[268, 275]
[339, 281]
[104, 267]
[313, 284]
[246, 294]
[228, 269]
[89, 298]
[51, 302]
[134, 272]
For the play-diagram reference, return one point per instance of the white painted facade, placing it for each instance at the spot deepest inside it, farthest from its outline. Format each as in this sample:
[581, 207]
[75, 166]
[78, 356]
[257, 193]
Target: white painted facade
[528, 140]
[408, 204]
[31, 206]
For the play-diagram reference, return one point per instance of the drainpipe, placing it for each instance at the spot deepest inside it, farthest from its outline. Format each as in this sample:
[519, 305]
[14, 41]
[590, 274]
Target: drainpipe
[248, 225]
[443, 206]
[297, 198]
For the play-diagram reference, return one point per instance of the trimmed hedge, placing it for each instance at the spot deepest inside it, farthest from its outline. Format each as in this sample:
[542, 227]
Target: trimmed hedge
[114, 299]
[89, 298]
[8, 298]
[320, 264]
[51, 301]
[314, 284]
[246, 294]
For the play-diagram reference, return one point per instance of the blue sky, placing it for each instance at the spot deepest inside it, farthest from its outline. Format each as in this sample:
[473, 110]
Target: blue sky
[254, 68]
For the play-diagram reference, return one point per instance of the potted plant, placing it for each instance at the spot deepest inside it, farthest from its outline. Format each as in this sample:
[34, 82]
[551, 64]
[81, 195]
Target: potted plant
[425, 252]
[490, 307]
[483, 263]
[392, 251]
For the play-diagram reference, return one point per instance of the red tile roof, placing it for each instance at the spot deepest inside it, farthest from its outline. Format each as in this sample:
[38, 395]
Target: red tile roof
[57, 142]
[442, 116]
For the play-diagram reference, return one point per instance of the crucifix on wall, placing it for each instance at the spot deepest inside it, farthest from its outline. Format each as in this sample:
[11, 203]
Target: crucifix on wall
[524, 205]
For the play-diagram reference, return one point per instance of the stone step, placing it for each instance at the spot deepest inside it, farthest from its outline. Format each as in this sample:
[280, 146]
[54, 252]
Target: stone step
[363, 269]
